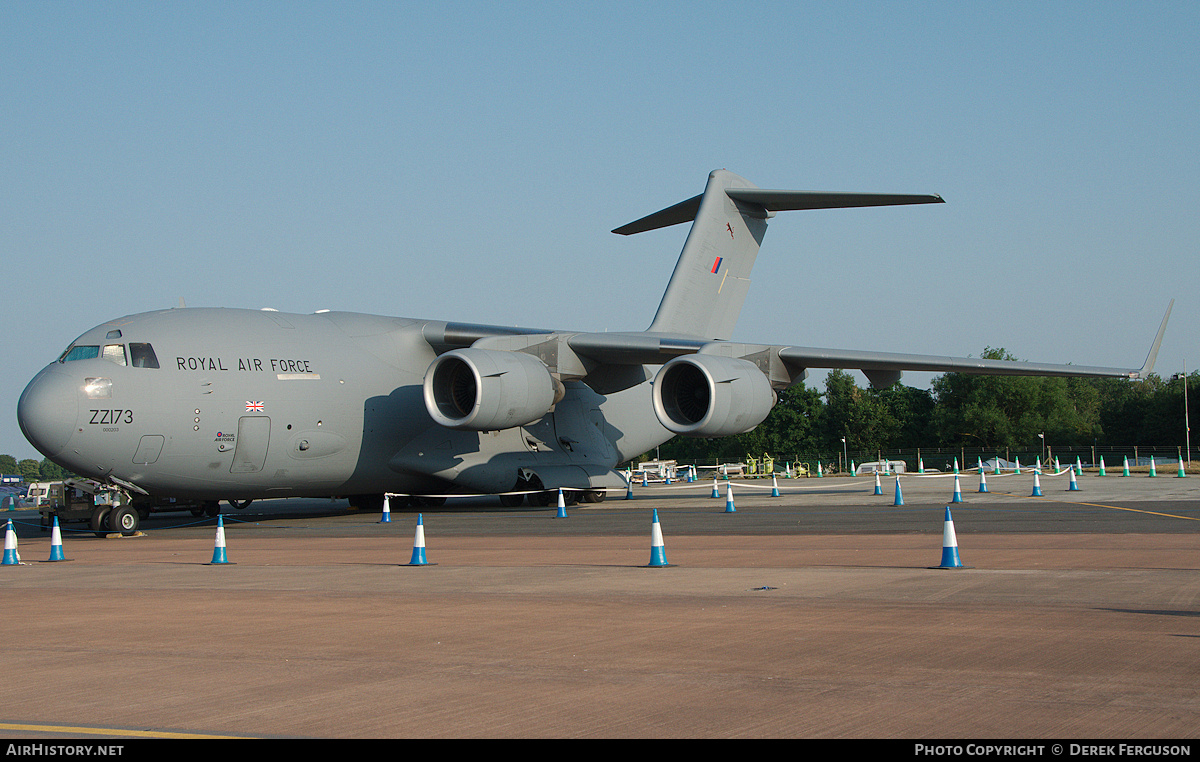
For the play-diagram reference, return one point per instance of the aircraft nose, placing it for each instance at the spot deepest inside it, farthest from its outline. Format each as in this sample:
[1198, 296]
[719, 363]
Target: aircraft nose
[47, 411]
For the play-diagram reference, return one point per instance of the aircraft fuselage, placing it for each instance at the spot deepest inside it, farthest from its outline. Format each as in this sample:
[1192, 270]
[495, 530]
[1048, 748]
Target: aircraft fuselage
[237, 404]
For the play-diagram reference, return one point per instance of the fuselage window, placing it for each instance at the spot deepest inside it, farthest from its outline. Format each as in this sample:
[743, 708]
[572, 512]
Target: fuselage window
[80, 352]
[115, 353]
[142, 355]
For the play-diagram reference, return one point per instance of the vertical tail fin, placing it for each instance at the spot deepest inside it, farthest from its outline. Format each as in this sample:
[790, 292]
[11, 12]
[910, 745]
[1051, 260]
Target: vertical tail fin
[712, 277]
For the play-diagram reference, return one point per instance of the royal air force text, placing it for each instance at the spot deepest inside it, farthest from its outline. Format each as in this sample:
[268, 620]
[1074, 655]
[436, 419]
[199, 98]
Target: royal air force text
[244, 364]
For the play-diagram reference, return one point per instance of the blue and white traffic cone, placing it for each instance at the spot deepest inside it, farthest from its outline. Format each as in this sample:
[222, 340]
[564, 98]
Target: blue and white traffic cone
[1181, 473]
[1125, 468]
[997, 471]
[1153, 472]
[11, 556]
[418, 554]
[729, 498]
[982, 482]
[1037, 485]
[56, 546]
[667, 477]
[899, 495]
[562, 506]
[658, 556]
[1101, 466]
[1078, 467]
[219, 555]
[629, 489]
[950, 559]
[878, 489]
[715, 492]
[1074, 484]
[644, 482]
[386, 518]
[920, 465]
[957, 491]
[775, 484]
[956, 464]
[1017, 464]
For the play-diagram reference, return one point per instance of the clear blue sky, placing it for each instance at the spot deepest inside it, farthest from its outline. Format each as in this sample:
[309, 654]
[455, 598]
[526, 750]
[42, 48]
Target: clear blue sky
[466, 161]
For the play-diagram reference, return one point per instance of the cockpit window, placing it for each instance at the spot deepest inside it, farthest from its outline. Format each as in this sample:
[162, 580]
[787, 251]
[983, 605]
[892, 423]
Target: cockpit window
[80, 352]
[114, 353]
[142, 355]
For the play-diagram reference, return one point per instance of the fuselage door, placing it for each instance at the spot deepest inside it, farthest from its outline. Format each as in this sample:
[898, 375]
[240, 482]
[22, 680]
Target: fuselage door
[254, 434]
[149, 448]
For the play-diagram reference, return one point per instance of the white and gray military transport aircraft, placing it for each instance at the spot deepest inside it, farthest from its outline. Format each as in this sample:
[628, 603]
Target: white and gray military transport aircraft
[237, 404]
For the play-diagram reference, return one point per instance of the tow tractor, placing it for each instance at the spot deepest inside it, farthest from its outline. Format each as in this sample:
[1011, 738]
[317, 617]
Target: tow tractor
[109, 509]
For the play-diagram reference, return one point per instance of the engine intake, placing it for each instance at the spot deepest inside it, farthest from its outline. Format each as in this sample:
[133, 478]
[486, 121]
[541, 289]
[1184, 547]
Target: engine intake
[711, 396]
[489, 389]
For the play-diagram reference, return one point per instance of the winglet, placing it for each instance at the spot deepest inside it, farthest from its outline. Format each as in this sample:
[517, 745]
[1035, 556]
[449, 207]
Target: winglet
[1150, 358]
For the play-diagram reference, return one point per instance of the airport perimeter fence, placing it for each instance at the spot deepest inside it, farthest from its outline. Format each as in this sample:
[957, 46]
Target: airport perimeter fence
[942, 458]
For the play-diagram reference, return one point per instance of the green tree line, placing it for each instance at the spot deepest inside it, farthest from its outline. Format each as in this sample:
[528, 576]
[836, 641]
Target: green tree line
[959, 411]
[31, 470]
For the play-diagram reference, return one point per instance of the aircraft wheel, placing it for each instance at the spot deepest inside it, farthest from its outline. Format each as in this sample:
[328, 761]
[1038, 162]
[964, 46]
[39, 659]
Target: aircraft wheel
[540, 499]
[125, 519]
[240, 504]
[594, 496]
[512, 501]
[212, 508]
[99, 520]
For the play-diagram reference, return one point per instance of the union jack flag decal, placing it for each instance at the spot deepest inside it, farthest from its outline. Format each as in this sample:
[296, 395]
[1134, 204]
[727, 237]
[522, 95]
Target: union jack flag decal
[254, 407]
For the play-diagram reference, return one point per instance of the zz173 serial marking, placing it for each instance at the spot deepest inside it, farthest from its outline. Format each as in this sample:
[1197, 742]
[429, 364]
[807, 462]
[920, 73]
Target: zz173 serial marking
[109, 417]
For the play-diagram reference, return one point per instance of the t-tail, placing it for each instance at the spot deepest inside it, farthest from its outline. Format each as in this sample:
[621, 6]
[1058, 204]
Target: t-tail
[712, 277]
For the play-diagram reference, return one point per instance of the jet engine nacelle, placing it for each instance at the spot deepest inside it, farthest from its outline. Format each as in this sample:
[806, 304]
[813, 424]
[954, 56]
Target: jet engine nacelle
[489, 389]
[711, 396]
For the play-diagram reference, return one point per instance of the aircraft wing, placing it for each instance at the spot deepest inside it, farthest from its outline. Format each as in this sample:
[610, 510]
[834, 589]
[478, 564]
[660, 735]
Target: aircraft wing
[884, 368]
[785, 365]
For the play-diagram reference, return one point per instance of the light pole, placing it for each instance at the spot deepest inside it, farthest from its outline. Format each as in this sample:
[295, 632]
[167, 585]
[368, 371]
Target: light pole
[1187, 426]
[1042, 437]
[845, 456]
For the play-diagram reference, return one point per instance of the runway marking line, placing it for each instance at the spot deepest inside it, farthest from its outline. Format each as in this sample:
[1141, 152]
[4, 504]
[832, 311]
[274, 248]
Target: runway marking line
[1112, 507]
[107, 731]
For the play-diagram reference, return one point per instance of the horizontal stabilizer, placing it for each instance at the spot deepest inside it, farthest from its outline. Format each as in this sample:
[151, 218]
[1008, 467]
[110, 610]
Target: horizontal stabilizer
[791, 201]
[684, 211]
[776, 201]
